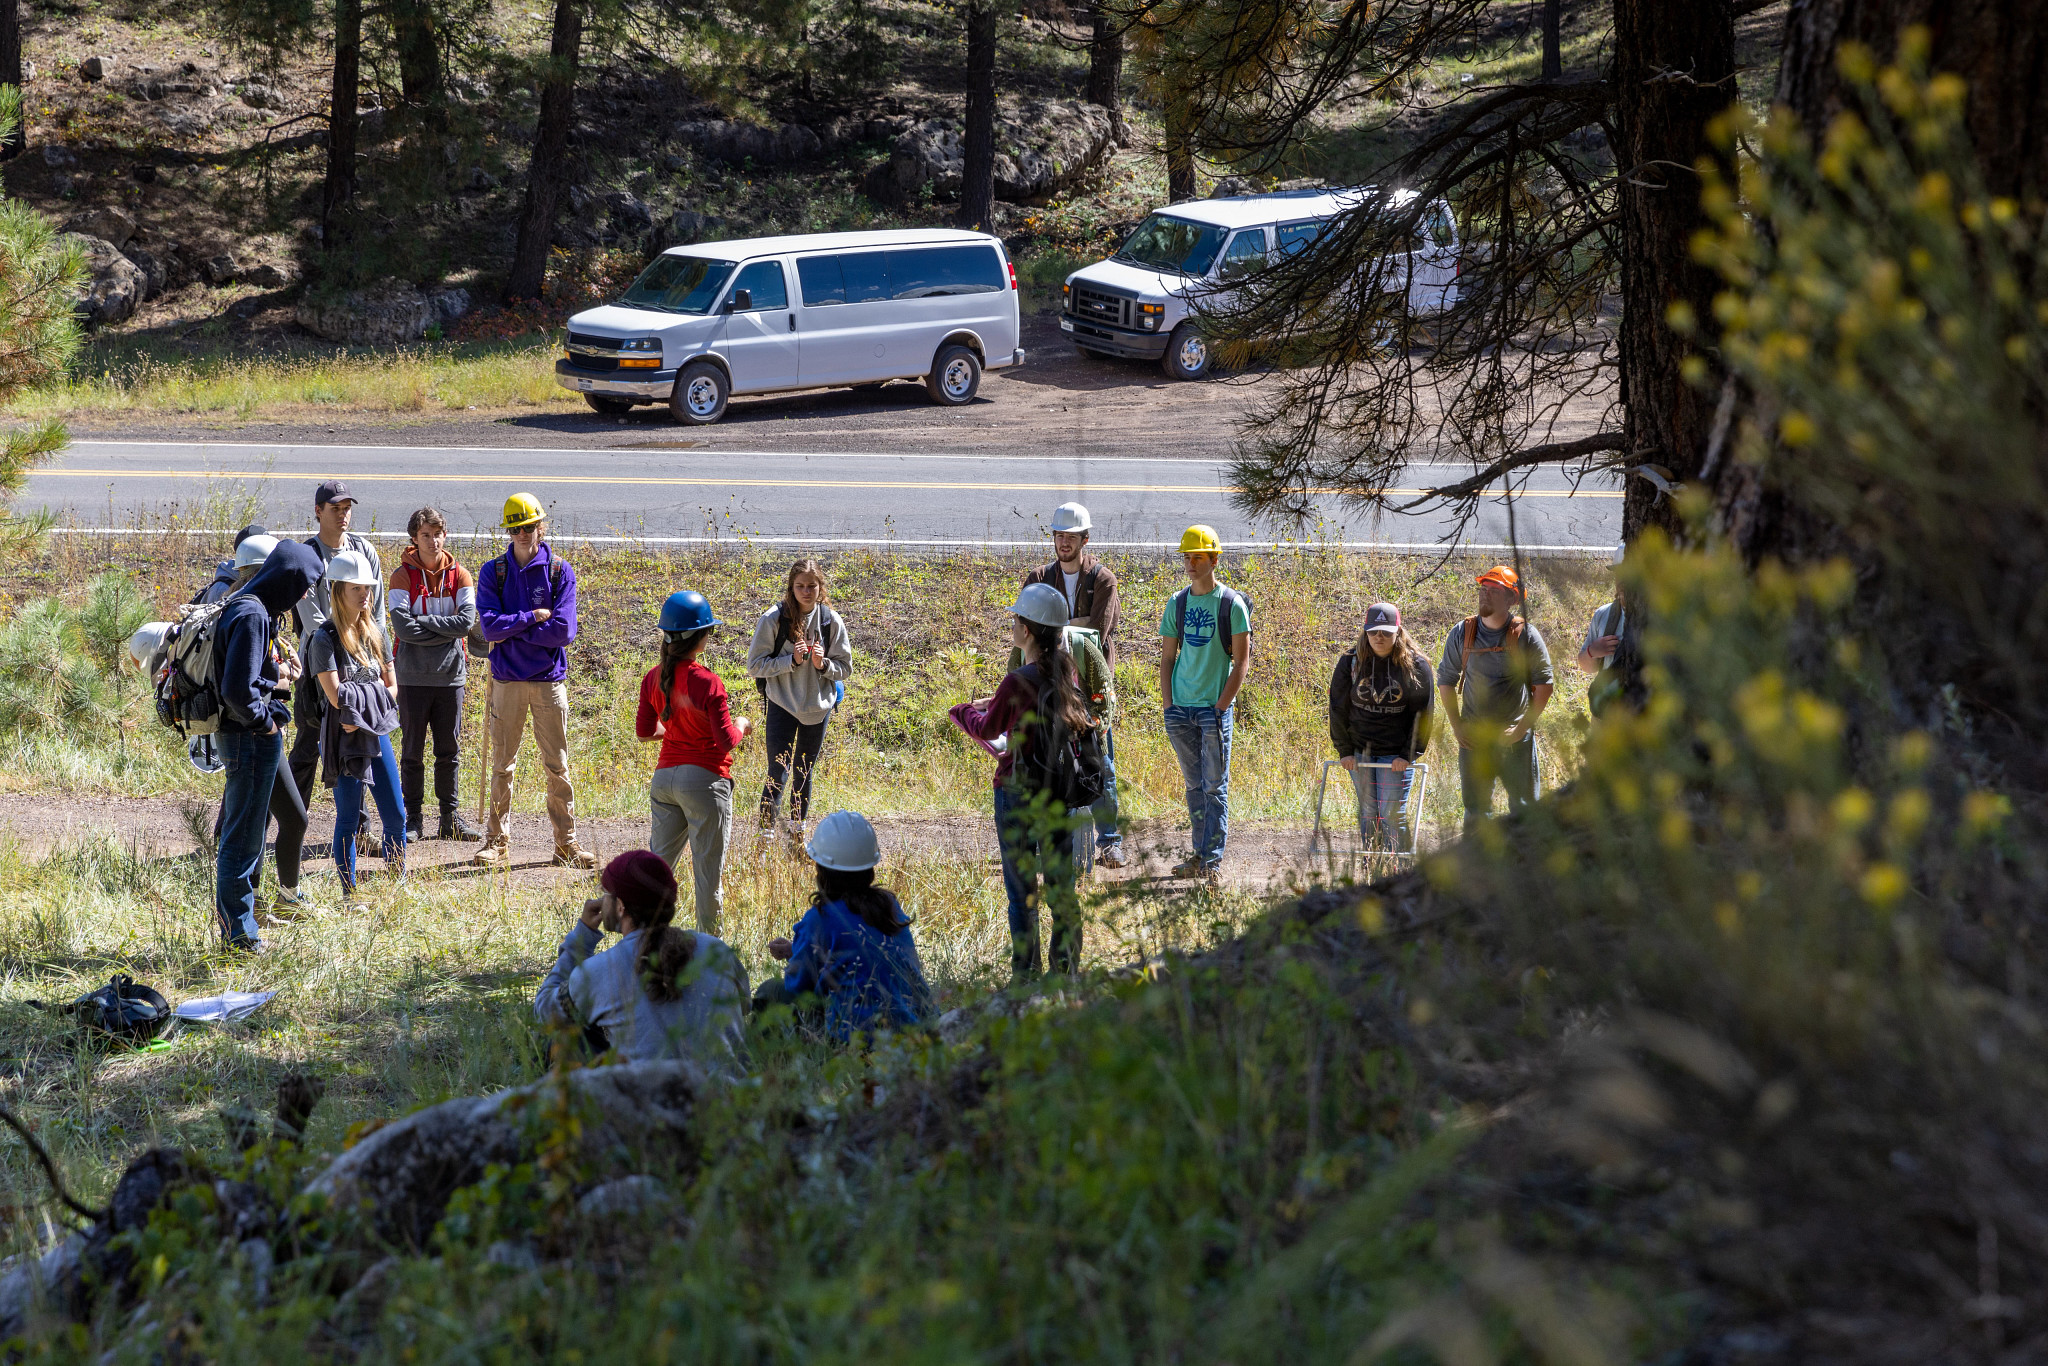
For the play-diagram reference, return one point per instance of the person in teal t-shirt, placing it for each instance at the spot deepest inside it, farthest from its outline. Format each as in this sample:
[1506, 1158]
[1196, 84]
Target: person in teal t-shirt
[1205, 639]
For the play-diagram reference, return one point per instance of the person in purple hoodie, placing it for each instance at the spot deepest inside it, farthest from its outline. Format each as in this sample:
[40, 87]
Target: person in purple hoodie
[526, 607]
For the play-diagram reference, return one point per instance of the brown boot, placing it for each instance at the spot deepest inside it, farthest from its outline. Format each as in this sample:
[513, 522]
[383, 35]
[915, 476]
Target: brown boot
[494, 855]
[569, 856]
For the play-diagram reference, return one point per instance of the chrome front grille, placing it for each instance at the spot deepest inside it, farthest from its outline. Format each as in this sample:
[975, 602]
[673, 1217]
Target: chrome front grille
[1100, 306]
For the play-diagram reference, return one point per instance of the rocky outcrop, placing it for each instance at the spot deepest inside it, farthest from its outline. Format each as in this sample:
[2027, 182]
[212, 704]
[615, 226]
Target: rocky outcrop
[114, 285]
[387, 313]
[733, 142]
[110, 224]
[1042, 148]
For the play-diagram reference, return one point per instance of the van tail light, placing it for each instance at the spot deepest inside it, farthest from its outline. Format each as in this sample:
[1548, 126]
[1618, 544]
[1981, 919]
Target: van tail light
[1013, 274]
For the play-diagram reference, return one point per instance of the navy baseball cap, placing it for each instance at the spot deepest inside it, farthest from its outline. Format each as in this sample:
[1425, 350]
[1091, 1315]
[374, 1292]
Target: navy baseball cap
[1383, 616]
[333, 491]
[253, 529]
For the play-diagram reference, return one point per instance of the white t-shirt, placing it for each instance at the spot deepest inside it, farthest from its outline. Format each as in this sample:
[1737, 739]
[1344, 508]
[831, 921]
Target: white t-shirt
[1073, 587]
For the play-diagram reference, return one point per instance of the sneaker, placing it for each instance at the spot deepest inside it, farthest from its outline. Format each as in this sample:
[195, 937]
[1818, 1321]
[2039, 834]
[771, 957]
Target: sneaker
[573, 857]
[414, 834]
[1112, 856]
[455, 827]
[492, 855]
[292, 901]
[1188, 867]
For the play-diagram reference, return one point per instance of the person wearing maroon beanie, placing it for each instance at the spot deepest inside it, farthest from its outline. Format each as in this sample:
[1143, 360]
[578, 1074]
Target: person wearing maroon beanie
[659, 993]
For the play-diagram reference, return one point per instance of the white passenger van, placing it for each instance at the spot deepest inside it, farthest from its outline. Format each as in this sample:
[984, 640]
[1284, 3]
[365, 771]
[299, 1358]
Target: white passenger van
[819, 311]
[1137, 303]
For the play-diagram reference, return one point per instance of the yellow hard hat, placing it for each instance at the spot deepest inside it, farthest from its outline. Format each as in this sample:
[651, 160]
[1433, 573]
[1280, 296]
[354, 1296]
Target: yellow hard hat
[1200, 538]
[523, 509]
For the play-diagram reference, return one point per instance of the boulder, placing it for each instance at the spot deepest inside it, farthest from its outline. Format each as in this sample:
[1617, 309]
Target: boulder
[1230, 186]
[449, 303]
[111, 224]
[401, 1176]
[114, 285]
[732, 142]
[92, 69]
[270, 275]
[55, 156]
[259, 95]
[386, 313]
[628, 214]
[155, 273]
[1042, 148]
[218, 270]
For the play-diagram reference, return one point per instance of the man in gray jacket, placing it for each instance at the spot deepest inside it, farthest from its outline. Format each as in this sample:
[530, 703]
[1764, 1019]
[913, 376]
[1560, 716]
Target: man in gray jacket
[433, 610]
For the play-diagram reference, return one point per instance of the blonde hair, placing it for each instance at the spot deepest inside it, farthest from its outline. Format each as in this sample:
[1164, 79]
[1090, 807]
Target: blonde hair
[357, 628]
[1406, 656]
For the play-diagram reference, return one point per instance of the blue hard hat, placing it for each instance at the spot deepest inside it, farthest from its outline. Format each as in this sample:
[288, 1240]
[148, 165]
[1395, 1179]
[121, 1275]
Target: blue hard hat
[687, 610]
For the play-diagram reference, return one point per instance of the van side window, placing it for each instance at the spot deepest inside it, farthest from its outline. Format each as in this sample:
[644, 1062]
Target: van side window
[926, 272]
[1247, 251]
[1442, 230]
[820, 280]
[763, 279]
[867, 276]
[1295, 236]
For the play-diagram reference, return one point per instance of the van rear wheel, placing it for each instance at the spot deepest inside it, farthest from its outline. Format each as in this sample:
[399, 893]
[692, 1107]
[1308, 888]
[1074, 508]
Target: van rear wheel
[1187, 353]
[698, 399]
[955, 376]
[610, 407]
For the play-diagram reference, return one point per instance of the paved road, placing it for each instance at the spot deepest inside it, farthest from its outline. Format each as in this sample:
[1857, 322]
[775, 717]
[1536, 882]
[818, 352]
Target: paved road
[661, 487]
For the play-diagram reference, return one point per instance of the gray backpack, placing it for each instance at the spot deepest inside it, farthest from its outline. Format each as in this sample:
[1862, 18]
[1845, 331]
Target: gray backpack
[188, 680]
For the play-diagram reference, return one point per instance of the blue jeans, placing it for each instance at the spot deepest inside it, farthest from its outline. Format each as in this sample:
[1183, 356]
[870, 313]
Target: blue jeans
[1383, 805]
[252, 762]
[1514, 765]
[1200, 737]
[383, 783]
[1107, 836]
[1027, 855]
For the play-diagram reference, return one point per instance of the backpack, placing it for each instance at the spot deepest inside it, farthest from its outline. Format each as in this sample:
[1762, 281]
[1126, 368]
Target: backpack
[1471, 629]
[122, 1009]
[782, 634]
[1070, 769]
[1225, 597]
[188, 681]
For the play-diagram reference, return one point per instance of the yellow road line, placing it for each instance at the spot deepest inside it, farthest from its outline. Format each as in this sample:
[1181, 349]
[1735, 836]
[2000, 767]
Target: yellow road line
[756, 483]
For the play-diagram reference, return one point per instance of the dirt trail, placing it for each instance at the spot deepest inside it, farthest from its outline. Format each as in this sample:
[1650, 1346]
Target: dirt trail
[1263, 857]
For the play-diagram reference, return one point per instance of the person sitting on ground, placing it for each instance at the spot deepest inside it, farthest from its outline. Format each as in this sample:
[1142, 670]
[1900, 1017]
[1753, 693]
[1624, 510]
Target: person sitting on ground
[853, 948]
[1382, 700]
[660, 992]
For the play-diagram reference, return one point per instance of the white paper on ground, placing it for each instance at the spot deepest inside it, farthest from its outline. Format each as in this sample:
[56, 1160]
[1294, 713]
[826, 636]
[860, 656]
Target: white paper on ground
[231, 1006]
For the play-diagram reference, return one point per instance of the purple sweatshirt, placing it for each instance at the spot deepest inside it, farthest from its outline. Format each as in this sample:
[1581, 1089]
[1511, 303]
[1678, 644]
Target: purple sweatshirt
[523, 650]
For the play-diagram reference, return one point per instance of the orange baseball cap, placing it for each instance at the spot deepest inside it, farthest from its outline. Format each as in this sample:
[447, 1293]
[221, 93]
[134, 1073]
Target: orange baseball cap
[1505, 577]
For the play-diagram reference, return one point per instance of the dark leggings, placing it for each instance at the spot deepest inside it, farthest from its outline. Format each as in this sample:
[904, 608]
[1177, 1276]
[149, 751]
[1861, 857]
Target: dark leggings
[791, 745]
[290, 814]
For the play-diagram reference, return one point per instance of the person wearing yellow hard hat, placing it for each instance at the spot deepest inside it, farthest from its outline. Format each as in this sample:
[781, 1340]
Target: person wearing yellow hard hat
[526, 608]
[1494, 681]
[1205, 649]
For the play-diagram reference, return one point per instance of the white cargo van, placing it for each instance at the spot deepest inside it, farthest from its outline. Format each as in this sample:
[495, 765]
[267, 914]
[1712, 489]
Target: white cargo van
[1137, 304]
[818, 311]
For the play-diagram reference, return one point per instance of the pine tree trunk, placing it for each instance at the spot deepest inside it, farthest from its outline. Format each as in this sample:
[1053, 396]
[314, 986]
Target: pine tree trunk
[547, 173]
[419, 51]
[978, 175]
[1105, 69]
[1180, 156]
[10, 74]
[340, 186]
[1661, 130]
[1553, 39]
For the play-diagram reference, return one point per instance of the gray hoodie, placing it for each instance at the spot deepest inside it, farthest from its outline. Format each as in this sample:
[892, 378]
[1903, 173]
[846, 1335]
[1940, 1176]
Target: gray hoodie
[806, 693]
[706, 1024]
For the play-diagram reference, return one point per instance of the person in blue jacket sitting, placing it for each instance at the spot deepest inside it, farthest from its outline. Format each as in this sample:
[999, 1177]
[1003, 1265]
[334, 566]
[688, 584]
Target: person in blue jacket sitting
[853, 949]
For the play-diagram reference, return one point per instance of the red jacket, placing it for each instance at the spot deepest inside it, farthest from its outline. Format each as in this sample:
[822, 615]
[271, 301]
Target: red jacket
[699, 728]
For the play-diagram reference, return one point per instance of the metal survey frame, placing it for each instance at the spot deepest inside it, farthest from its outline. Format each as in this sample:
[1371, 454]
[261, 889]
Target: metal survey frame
[1416, 792]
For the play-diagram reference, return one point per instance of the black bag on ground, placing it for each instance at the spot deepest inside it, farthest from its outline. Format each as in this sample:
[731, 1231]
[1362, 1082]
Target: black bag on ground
[123, 1009]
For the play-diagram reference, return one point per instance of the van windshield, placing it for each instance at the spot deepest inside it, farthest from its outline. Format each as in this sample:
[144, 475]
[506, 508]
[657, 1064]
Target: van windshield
[1175, 244]
[679, 284]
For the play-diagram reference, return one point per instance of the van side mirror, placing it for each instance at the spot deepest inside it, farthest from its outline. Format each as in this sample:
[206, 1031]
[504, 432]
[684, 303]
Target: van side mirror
[742, 301]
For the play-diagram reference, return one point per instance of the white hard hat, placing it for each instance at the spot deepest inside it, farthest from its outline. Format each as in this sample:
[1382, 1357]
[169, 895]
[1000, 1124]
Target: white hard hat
[1042, 603]
[254, 550]
[351, 566]
[1070, 517]
[147, 640]
[845, 843]
[203, 754]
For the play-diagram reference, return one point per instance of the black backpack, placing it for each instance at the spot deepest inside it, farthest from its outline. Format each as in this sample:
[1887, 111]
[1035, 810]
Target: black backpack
[1067, 767]
[123, 1009]
[1225, 596]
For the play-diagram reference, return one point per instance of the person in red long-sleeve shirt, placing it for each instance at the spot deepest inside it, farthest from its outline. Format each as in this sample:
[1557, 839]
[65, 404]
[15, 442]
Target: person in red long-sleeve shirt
[684, 705]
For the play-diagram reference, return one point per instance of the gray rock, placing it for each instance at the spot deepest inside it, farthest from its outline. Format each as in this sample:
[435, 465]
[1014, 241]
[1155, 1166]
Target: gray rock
[627, 1197]
[114, 285]
[401, 1176]
[1304, 183]
[480, 180]
[110, 223]
[270, 275]
[1042, 148]
[387, 313]
[1230, 186]
[449, 303]
[53, 155]
[218, 270]
[67, 186]
[733, 143]
[259, 95]
[628, 212]
[50, 1282]
[155, 274]
[92, 69]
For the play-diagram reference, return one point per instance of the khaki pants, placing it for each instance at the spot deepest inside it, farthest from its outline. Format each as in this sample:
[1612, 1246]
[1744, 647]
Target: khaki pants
[692, 807]
[548, 703]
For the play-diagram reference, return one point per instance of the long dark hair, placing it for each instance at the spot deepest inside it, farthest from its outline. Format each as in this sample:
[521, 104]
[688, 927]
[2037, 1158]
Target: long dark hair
[677, 647]
[1059, 681]
[875, 905]
[1405, 659]
[664, 950]
[792, 610]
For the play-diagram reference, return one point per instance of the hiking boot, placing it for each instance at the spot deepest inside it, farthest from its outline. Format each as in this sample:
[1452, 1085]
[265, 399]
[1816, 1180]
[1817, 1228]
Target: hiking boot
[1188, 867]
[573, 857]
[414, 832]
[1112, 856]
[494, 855]
[1212, 875]
[455, 827]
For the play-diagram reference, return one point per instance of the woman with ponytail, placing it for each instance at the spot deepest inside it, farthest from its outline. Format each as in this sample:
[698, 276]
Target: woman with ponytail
[1039, 706]
[660, 993]
[685, 706]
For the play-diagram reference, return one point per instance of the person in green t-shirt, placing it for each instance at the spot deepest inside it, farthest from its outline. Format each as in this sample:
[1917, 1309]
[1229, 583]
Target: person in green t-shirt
[1205, 640]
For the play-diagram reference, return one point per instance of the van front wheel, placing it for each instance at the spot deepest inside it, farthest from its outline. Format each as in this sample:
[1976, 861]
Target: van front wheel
[700, 394]
[955, 377]
[1187, 353]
